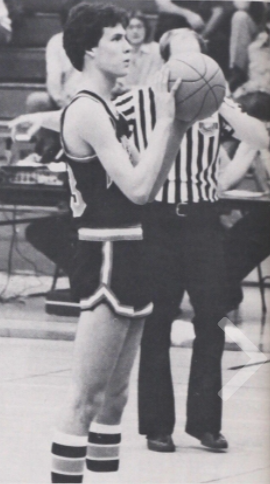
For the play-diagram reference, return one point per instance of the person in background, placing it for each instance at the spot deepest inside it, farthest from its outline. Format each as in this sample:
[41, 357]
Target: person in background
[254, 95]
[248, 240]
[5, 24]
[61, 77]
[210, 18]
[177, 14]
[145, 57]
[248, 20]
[61, 85]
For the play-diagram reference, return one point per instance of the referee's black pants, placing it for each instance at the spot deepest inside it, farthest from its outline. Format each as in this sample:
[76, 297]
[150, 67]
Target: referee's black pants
[184, 252]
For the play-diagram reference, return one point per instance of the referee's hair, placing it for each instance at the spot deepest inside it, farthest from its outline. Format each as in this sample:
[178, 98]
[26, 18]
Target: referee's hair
[164, 42]
[84, 28]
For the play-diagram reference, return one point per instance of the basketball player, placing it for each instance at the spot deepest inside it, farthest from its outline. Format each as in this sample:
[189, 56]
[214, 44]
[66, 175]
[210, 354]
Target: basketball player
[191, 187]
[108, 182]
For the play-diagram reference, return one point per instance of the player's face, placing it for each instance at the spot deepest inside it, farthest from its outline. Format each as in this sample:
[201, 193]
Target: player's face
[113, 52]
[184, 42]
[136, 32]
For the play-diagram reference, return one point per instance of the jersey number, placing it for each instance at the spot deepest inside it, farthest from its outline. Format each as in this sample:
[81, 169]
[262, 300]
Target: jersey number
[77, 204]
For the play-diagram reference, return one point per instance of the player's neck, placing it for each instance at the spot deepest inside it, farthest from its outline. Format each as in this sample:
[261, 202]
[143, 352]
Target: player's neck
[99, 83]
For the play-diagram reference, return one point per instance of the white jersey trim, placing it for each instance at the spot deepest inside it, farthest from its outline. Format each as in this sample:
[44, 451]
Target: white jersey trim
[110, 234]
[104, 293]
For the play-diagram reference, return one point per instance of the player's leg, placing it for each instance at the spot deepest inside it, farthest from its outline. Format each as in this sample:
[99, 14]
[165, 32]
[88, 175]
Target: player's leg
[105, 431]
[99, 341]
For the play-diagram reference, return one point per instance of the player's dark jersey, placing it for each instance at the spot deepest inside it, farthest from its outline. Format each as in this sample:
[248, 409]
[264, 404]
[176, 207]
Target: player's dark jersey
[97, 202]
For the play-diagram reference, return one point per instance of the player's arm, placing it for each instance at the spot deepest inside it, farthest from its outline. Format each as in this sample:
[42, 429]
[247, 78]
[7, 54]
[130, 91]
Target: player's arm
[235, 169]
[195, 21]
[95, 129]
[245, 128]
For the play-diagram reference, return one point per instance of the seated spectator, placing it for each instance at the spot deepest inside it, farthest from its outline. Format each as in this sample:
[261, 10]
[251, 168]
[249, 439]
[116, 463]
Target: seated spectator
[247, 22]
[210, 19]
[254, 95]
[175, 15]
[5, 24]
[247, 241]
[61, 83]
[145, 57]
[16, 10]
[61, 76]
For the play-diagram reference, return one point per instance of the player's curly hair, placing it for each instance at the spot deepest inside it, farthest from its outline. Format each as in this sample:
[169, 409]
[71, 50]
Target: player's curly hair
[84, 29]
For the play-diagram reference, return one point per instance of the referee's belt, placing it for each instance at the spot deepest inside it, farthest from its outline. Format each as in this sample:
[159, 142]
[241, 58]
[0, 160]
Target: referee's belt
[184, 210]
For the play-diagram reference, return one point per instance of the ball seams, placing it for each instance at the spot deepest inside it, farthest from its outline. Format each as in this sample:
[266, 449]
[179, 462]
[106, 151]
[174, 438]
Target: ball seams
[192, 67]
[202, 99]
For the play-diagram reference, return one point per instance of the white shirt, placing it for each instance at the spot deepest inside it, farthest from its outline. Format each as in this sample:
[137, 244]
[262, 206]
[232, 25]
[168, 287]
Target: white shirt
[62, 77]
[144, 64]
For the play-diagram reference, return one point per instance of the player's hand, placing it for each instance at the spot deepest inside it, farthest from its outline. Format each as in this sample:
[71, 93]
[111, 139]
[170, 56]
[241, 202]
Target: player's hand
[165, 100]
[195, 21]
[26, 124]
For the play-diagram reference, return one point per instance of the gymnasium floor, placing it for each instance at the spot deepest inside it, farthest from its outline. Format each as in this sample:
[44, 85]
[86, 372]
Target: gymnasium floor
[34, 377]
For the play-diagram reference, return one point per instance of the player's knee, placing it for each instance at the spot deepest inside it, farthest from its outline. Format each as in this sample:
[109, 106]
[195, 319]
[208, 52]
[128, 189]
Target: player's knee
[85, 404]
[116, 404]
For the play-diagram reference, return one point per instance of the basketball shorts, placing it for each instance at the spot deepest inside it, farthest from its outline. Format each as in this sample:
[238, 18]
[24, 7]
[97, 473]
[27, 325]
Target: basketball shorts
[113, 272]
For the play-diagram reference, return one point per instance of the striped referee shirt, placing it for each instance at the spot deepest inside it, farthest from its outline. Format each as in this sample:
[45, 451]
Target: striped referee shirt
[193, 176]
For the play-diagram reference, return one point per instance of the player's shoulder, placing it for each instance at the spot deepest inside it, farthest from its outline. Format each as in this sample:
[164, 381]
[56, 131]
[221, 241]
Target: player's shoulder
[87, 105]
[88, 113]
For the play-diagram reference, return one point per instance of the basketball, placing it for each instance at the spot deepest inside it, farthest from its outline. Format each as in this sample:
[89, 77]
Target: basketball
[202, 89]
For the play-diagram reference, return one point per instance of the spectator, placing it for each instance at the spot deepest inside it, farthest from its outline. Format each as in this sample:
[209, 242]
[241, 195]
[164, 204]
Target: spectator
[211, 19]
[61, 82]
[5, 24]
[247, 241]
[16, 12]
[145, 57]
[175, 15]
[247, 22]
[254, 95]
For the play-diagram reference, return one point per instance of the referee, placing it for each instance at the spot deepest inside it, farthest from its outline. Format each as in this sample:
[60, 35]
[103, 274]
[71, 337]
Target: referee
[185, 248]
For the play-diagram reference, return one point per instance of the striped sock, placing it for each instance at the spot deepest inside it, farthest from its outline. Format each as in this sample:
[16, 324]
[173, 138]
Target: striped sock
[103, 447]
[68, 457]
